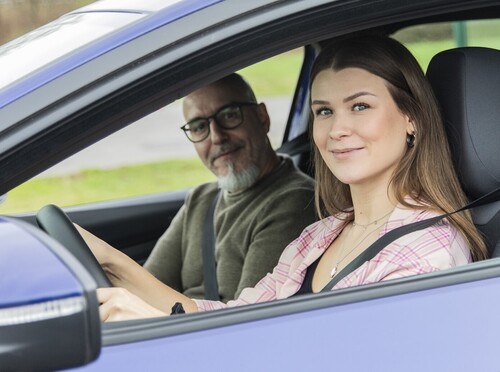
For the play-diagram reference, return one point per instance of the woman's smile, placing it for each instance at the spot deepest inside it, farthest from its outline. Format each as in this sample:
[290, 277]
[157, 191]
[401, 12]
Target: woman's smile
[346, 153]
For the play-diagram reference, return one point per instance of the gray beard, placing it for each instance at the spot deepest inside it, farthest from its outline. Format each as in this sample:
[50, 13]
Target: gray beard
[238, 181]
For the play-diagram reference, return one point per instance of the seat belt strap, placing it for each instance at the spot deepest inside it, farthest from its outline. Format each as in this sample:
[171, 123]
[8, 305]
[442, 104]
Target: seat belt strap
[208, 253]
[392, 235]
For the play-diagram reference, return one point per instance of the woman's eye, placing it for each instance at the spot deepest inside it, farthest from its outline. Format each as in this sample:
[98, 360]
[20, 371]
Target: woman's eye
[323, 111]
[360, 107]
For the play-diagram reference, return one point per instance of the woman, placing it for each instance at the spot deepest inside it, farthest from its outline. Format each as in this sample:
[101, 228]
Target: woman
[382, 160]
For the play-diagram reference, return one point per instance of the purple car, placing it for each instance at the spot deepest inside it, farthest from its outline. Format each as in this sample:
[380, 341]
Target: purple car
[92, 72]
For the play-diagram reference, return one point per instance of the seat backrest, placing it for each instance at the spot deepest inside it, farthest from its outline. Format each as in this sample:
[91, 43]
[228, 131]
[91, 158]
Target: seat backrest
[466, 82]
[300, 150]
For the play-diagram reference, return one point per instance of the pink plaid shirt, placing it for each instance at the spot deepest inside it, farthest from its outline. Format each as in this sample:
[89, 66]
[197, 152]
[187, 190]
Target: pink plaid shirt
[435, 248]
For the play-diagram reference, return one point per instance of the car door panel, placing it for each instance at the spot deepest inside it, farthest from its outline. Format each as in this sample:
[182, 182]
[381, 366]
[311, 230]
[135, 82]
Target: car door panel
[356, 329]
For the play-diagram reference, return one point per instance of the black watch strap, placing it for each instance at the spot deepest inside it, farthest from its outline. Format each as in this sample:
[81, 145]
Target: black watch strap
[177, 309]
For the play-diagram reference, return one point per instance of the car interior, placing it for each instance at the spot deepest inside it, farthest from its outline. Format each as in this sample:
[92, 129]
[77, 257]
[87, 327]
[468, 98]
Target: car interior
[457, 76]
[465, 82]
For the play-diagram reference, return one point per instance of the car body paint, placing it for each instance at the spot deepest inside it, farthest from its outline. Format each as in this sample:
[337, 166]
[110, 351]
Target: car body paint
[30, 272]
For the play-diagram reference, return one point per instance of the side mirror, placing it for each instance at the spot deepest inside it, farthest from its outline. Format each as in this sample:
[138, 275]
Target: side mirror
[49, 316]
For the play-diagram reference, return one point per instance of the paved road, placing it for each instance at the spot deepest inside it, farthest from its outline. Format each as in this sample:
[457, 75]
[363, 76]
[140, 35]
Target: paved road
[153, 139]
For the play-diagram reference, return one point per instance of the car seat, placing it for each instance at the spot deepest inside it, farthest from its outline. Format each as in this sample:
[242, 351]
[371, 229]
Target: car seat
[300, 150]
[466, 82]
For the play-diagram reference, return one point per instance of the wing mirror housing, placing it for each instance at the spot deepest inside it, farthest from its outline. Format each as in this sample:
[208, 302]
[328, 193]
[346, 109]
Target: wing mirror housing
[49, 313]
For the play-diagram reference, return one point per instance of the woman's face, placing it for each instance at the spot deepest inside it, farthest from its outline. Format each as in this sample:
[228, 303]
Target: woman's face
[358, 129]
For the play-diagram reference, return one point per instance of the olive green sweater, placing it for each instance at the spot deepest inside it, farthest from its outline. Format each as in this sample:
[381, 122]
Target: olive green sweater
[252, 229]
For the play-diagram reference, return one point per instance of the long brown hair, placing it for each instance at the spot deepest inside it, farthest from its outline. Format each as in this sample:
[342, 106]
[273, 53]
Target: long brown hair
[426, 171]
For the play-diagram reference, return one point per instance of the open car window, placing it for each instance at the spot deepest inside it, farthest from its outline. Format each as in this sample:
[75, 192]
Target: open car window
[152, 155]
[424, 41]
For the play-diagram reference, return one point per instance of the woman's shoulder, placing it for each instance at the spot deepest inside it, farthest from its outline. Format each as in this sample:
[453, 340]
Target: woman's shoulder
[440, 232]
[330, 223]
[415, 212]
[441, 237]
[317, 234]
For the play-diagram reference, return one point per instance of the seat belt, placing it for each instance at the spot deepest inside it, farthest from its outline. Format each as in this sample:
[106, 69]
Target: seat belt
[392, 235]
[208, 253]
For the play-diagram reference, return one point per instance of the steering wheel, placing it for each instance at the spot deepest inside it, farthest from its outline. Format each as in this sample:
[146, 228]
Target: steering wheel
[57, 224]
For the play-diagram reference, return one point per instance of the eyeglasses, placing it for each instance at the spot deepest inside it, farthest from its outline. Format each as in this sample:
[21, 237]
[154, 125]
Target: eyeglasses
[227, 117]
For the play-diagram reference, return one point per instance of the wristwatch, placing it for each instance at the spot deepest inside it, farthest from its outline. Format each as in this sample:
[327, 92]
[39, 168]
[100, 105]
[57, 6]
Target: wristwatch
[177, 309]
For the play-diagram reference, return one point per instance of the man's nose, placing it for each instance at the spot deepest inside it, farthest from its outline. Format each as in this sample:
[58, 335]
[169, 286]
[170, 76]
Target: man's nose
[217, 134]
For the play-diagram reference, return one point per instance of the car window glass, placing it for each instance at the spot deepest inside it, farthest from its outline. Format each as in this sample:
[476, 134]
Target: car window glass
[151, 155]
[20, 17]
[54, 40]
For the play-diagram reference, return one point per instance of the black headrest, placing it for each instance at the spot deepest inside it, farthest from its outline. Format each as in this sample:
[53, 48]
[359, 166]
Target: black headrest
[466, 82]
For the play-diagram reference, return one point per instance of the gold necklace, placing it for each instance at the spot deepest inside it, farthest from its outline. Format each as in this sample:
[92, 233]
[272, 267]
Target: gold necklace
[363, 237]
[354, 223]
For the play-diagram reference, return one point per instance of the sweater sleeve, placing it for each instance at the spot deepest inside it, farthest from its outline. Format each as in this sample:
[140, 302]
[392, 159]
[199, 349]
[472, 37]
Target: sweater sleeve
[165, 260]
[278, 224]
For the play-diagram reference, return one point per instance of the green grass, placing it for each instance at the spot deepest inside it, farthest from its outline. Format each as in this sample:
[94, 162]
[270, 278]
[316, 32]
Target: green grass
[424, 51]
[276, 76]
[95, 185]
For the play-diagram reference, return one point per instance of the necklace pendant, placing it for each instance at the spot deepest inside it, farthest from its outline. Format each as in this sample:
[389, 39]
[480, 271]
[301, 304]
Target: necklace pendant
[333, 272]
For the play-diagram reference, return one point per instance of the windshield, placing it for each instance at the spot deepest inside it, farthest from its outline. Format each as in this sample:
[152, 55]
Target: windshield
[35, 49]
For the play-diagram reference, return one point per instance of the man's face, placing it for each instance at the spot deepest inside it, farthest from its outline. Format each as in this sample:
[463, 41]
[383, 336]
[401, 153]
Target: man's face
[224, 149]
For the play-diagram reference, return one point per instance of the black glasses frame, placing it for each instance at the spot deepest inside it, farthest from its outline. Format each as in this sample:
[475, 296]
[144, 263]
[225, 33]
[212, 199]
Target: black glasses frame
[239, 105]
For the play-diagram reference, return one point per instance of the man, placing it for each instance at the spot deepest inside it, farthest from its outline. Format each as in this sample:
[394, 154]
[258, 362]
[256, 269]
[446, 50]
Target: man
[265, 201]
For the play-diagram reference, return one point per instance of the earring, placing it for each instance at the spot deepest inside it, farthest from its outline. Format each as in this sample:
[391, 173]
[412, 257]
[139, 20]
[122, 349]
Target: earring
[410, 140]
